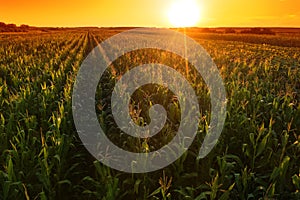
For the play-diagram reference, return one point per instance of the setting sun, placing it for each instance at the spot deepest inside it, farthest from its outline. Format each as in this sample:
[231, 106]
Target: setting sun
[184, 13]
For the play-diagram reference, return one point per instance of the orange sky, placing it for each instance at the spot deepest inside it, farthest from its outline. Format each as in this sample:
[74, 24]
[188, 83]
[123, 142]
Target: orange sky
[214, 13]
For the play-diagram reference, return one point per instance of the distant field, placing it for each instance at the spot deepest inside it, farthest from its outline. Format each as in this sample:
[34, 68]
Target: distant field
[257, 156]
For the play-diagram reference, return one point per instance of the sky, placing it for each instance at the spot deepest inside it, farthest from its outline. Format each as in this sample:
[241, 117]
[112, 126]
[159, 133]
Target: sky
[148, 13]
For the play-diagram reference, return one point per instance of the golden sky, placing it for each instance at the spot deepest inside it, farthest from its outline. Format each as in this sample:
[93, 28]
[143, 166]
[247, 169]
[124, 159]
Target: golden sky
[214, 13]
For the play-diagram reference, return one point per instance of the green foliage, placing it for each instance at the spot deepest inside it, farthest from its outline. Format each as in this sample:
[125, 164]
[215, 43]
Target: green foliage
[257, 157]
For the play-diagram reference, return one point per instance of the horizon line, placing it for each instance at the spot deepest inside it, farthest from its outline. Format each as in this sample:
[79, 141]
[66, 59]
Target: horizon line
[132, 26]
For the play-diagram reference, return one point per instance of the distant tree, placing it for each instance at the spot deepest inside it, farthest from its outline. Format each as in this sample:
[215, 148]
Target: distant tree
[24, 26]
[209, 30]
[229, 30]
[267, 31]
[11, 26]
[256, 30]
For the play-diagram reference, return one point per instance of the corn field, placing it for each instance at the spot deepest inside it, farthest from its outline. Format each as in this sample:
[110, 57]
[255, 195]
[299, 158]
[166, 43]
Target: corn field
[256, 157]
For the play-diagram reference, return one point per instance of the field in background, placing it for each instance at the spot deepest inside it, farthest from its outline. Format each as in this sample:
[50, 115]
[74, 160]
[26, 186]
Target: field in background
[41, 156]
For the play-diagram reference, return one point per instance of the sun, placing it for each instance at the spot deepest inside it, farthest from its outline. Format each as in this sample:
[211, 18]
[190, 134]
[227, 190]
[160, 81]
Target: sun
[184, 13]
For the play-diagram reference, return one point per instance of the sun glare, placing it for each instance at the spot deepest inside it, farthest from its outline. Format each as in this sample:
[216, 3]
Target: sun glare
[184, 13]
